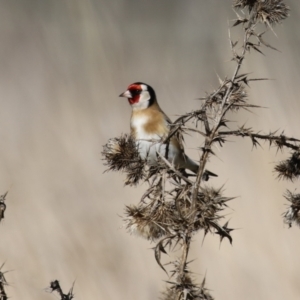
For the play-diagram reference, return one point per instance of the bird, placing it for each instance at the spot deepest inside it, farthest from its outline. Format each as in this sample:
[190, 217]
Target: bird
[150, 127]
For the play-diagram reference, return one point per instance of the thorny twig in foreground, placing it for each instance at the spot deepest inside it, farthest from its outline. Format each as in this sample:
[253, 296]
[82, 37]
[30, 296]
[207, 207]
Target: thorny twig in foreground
[3, 282]
[55, 286]
[2, 205]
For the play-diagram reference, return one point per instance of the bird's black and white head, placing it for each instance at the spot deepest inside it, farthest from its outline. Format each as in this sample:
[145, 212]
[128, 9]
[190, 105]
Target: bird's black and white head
[140, 95]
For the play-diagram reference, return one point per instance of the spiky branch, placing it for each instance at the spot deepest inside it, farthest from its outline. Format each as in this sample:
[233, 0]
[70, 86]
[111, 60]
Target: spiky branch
[176, 206]
[55, 286]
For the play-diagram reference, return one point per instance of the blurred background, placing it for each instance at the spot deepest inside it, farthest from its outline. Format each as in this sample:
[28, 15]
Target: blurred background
[62, 66]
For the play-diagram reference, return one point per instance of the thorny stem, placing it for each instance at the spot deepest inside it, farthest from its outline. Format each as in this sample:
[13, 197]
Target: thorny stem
[222, 112]
[210, 135]
[281, 139]
[184, 256]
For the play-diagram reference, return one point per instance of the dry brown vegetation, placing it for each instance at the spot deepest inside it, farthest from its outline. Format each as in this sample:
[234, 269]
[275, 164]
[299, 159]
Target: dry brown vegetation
[175, 207]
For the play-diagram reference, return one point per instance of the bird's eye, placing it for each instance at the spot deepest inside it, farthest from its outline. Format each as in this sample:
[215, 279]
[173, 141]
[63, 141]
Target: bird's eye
[136, 92]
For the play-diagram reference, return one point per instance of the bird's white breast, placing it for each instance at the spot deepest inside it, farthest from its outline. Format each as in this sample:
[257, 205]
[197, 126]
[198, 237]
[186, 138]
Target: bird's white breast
[149, 144]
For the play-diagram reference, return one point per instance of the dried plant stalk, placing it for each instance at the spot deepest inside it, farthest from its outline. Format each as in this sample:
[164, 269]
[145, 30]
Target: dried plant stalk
[175, 206]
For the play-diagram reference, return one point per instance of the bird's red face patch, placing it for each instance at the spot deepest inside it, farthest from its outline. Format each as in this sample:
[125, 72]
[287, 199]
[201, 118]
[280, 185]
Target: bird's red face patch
[134, 100]
[135, 90]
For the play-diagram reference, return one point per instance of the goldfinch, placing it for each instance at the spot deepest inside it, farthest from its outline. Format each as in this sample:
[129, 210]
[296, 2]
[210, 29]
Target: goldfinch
[150, 126]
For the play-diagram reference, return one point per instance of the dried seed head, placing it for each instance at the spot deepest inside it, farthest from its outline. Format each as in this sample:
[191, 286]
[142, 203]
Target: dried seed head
[269, 12]
[119, 152]
[293, 213]
[244, 3]
[122, 154]
[237, 99]
[210, 203]
[290, 168]
[187, 289]
[272, 12]
[238, 96]
[150, 221]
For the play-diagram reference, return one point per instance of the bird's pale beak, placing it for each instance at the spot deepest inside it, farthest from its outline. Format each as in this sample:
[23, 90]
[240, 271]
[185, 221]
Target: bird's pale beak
[126, 94]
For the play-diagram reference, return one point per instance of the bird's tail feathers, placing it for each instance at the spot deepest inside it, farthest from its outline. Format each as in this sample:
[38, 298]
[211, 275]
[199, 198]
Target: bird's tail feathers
[194, 167]
[191, 165]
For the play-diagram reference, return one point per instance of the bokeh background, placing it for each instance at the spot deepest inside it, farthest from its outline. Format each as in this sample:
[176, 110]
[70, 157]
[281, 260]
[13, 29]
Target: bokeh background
[63, 64]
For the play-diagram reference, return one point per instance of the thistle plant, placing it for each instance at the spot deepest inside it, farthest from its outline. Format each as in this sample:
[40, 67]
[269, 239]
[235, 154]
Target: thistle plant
[175, 205]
